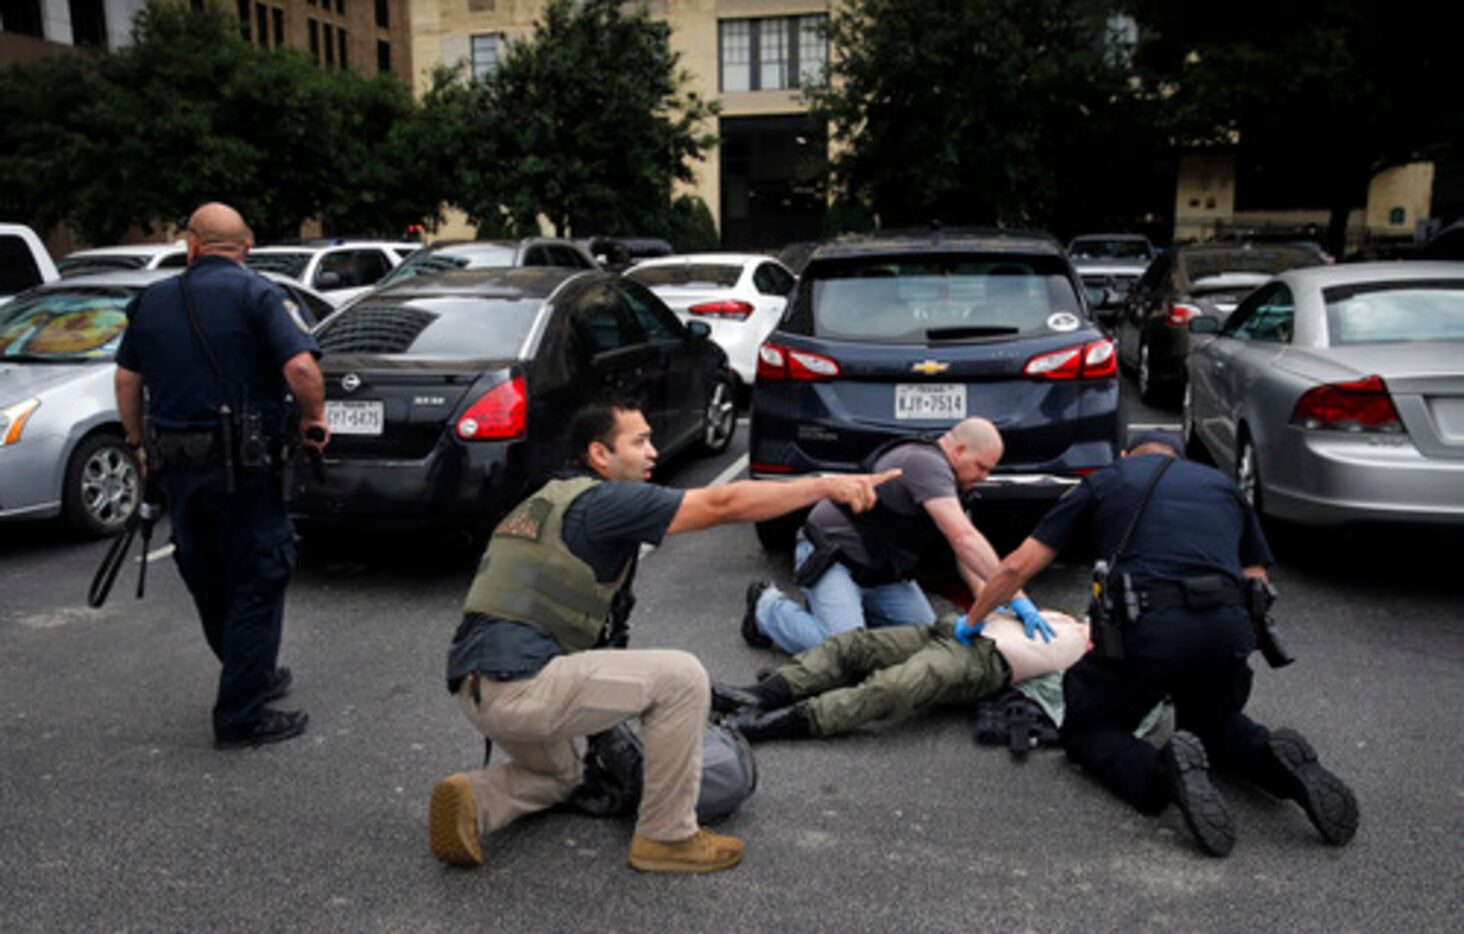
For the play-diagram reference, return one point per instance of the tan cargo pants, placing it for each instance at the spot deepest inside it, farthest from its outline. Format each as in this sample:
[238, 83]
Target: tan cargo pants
[535, 720]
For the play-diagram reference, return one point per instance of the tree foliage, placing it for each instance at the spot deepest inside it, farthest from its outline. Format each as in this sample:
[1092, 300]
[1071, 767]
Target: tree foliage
[586, 122]
[1316, 96]
[189, 112]
[1005, 112]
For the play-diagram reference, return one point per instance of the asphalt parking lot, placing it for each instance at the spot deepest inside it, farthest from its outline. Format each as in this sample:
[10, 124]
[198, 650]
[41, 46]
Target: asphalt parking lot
[117, 814]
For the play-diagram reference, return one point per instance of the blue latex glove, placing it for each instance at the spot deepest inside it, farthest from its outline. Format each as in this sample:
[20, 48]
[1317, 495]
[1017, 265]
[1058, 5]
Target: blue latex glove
[1032, 621]
[966, 630]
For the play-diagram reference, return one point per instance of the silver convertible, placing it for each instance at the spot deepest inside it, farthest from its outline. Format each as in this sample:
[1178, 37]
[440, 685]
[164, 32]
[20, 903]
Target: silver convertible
[1336, 393]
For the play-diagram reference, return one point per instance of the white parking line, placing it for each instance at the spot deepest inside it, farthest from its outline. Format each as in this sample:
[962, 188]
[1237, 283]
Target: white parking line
[156, 553]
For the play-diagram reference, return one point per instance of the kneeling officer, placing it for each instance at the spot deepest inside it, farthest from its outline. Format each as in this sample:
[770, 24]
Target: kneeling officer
[527, 663]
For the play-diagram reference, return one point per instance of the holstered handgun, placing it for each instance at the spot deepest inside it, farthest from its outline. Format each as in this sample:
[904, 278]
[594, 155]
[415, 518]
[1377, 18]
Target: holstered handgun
[1104, 626]
[1259, 596]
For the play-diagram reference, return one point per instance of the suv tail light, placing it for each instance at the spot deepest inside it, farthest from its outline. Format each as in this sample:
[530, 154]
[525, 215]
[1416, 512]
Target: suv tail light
[736, 311]
[1180, 314]
[1358, 405]
[776, 362]
[499, 414]
[1093, 360]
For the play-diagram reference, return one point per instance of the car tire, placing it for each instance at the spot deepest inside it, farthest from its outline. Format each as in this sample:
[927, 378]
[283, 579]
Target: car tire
[103, 486]
[1248, 474]
[719, 417]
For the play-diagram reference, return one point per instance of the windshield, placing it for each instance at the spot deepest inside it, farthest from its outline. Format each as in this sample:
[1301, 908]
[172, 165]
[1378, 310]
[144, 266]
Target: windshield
[73, 266]
[1109, 248]
[64, 325]
[458, 256]
[438, 327]
[716, 275]
[920, 299]
[1386, 312]
[290, 264]
[1265, 260]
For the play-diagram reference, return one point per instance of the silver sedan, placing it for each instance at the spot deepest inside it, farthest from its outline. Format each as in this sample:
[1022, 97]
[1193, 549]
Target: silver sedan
[1336, 393]
[62, 451]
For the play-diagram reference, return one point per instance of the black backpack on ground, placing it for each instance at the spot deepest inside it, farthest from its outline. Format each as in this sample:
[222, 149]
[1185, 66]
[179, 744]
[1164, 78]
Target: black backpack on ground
[613, 761]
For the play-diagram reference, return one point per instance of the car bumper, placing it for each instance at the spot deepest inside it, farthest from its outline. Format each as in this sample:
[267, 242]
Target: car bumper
[30, 477]
[458, 487]
[1331, 478]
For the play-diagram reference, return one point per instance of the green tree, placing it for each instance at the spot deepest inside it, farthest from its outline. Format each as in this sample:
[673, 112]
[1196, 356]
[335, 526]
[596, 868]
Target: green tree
[1316, 96]
[587, 122]
[1005, 112]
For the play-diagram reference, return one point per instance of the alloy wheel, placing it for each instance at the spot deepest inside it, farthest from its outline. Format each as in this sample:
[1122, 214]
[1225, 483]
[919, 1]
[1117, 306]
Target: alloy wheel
[110, 486]
[721, 418]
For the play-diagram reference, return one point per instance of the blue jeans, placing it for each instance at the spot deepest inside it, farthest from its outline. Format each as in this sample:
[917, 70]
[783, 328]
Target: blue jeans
[837, 604]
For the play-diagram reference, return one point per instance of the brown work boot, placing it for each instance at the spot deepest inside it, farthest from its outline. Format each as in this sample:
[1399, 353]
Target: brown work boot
[452, 820]
[703, 851]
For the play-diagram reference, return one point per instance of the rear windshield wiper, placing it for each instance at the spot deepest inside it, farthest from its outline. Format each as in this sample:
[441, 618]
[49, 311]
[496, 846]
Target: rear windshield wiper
[969, 332]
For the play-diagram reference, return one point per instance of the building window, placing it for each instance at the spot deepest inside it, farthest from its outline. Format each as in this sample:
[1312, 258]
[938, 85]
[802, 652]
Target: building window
[244, 19]
[22, 17]
[383, 56]
[736, 55]
[341, 7]
[196, 5]
[314, 29]
[383, 13]
[279, 27]
[328, 40]
[790, 51]
[485, 51]
[341, 43]
[261, 24]
[88, 23]
[1398, 217]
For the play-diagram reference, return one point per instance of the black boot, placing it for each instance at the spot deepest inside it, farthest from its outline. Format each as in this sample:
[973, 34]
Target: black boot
[1295, 774]
[769, 693]
[783, 723]
[752, 635]
[1184, 773]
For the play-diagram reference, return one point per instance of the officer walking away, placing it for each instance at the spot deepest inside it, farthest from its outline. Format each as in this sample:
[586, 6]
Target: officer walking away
[529, 663]
[216, 349]
[858, 570]
[1178, 578]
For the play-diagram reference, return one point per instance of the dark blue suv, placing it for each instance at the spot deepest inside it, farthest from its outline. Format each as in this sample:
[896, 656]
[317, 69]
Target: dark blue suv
[906, 335]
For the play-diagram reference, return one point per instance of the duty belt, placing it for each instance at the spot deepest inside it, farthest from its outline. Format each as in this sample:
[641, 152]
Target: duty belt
[1195, 593]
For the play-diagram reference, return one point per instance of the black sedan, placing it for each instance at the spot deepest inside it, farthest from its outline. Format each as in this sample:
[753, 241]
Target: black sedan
[909, 335]
[448, 396]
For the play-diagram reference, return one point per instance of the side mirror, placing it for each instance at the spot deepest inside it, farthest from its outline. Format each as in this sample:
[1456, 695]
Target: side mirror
[328, 280]
[699, 330]
[1204, 324]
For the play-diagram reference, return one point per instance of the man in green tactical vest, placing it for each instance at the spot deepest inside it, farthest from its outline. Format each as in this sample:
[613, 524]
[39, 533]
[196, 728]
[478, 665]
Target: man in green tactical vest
[530, 664]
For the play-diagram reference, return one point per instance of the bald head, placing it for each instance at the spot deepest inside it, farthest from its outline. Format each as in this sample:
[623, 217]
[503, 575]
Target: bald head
[216, 229]
[972, 447]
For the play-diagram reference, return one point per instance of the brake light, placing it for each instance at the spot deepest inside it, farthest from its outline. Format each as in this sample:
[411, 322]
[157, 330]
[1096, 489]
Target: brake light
[1093, 360]
[775, 362]
[759, 467]
[736, 311]
[1179, 315]
[1358, 405]
[498, 414]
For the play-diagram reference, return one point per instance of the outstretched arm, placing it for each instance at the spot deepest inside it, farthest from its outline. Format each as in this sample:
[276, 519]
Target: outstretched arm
[758, 500]
[1019, 567]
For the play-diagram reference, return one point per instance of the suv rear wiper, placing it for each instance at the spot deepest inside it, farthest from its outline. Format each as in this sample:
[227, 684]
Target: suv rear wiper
[969, 332]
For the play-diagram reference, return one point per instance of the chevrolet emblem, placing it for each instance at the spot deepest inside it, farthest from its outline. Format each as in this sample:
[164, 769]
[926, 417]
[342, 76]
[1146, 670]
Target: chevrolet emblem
[930, 367]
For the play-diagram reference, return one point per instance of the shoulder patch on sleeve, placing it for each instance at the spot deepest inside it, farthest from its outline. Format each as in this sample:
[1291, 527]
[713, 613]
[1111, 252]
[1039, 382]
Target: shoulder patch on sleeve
[295, 316]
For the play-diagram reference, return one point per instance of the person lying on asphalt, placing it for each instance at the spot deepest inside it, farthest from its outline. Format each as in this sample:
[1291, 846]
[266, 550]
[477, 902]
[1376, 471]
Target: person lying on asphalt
[865, 675]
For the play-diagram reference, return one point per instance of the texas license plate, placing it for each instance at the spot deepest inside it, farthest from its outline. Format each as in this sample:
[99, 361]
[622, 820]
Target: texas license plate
[930, 400]
[355, 418]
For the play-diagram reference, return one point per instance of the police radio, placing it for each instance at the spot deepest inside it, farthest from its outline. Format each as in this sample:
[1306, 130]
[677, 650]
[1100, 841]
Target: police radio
[1104, 626]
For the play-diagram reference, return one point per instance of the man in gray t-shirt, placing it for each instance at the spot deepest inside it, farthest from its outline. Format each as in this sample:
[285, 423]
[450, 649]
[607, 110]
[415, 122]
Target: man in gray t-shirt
[858, 569]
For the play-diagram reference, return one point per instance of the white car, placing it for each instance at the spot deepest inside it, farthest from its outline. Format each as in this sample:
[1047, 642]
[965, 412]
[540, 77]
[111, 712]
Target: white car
[338, 269]
[24, 261]
[742, 297]
[172, 255]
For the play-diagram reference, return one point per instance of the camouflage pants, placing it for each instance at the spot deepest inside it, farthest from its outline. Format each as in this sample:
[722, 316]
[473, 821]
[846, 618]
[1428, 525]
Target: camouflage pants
[875, 674]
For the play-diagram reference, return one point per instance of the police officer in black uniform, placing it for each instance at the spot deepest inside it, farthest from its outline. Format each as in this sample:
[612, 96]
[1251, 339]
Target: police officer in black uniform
[217, 348]
[1185, 565]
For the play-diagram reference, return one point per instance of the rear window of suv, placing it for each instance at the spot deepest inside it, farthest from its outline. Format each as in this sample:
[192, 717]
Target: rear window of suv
[444, 327]
[925, 299]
